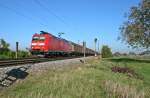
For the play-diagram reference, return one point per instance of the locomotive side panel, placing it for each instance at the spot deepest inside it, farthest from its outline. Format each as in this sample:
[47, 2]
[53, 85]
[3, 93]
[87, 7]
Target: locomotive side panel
[58, 45]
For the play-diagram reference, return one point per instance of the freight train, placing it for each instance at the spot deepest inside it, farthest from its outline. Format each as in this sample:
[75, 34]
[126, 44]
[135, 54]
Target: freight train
[49, 45]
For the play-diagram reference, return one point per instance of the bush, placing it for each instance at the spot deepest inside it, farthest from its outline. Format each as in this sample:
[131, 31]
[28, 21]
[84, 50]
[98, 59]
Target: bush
[106, 52]
[117, 54]
[3, 57]
[12, 54]
[23, 54]
[4, 51]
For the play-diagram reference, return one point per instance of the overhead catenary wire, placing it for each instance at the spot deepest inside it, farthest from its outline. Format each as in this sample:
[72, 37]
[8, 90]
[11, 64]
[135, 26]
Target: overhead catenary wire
[50, 12]
[33, 19]
[23, 15]
[29, 11]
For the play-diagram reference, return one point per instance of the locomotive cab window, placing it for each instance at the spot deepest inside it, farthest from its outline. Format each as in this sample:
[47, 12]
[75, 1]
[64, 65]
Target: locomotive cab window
[41, 38]
[35, 38]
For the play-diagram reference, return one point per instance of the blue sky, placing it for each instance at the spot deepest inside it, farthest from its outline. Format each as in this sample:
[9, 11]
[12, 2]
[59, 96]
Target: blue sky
[79, 19]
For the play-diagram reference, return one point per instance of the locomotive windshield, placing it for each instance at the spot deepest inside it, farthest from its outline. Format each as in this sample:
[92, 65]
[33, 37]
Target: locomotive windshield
[41, 38]
[38, 38]
[35, 38]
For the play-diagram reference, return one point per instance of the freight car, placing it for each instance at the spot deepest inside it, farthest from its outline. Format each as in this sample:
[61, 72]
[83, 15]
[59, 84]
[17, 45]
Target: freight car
[48, 45]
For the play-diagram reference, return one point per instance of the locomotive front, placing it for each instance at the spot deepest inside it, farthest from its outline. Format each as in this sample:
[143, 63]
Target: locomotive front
[38, 44]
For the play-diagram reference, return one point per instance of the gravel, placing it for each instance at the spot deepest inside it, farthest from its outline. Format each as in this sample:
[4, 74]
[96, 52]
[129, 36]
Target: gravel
[14, 73]
[58, 64]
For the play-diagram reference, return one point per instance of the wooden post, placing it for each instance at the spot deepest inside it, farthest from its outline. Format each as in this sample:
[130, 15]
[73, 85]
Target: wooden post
[84, 48]
[95, 41]
[17, 44]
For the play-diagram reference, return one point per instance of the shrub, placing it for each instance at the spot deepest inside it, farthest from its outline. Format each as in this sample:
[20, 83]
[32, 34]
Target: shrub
[23, 54]
[12, 54]
[106, 52]
[117, 54]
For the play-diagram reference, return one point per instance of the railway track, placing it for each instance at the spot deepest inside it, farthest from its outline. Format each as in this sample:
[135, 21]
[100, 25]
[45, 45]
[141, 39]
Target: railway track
[16, 62]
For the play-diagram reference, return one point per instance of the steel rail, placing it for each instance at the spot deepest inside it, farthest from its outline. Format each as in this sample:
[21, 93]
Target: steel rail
[16, 62]
[9, 63]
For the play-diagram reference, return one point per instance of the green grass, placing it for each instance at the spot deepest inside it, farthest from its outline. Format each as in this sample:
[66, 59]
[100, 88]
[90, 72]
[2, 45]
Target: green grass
[91, 80]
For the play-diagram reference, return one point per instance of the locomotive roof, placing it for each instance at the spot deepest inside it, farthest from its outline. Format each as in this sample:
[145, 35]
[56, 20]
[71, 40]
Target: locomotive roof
[43, 32]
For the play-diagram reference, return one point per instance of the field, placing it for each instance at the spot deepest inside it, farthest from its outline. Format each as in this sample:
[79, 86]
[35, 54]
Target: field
[105, 78]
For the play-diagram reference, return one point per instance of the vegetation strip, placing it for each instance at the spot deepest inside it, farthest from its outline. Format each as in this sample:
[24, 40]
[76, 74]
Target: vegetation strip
[93, 79]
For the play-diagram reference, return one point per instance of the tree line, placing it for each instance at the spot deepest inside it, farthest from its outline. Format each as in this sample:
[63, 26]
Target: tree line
[6, 52]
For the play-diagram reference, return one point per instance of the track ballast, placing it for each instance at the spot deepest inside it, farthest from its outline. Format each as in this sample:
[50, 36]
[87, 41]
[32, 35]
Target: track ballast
[20, 61]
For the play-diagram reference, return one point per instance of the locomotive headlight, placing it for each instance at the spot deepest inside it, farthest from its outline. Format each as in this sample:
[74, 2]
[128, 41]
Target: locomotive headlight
[34, 43]
[41, 44]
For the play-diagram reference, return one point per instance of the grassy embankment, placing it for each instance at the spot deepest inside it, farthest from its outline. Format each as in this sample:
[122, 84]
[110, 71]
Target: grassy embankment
[91, 80]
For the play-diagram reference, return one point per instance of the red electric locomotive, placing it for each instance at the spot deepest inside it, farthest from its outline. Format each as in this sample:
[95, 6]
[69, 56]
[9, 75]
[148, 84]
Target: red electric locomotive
[48, 44]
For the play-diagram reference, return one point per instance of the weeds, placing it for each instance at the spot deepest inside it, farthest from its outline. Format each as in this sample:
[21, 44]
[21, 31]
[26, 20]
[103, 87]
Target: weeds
[117, 90]
[93, 79]
[125, 70]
